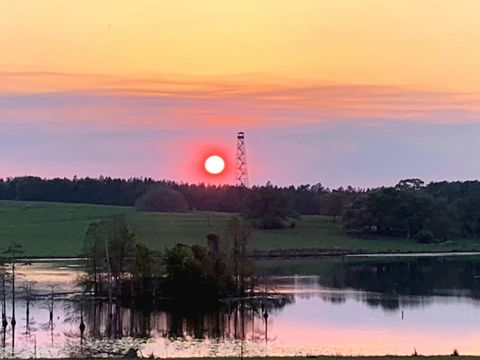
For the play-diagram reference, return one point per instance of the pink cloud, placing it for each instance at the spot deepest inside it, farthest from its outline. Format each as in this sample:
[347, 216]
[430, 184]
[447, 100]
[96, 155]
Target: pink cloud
[179, 102]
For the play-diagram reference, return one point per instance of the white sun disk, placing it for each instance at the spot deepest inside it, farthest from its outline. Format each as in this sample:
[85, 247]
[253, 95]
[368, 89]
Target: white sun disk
[214, 164]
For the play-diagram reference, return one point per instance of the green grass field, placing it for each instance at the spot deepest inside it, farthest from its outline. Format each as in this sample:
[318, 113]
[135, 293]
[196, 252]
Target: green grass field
[56, 229]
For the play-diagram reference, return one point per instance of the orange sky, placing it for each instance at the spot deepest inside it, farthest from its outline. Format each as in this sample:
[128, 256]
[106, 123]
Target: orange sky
[428, 44]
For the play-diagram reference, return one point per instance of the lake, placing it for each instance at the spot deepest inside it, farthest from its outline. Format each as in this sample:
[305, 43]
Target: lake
[344, 305]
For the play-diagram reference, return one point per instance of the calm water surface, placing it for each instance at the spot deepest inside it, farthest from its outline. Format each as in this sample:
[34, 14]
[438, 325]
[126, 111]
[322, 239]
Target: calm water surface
[349, 306]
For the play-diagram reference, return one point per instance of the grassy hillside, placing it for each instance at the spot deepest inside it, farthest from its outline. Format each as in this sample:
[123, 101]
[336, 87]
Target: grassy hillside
[55, 229]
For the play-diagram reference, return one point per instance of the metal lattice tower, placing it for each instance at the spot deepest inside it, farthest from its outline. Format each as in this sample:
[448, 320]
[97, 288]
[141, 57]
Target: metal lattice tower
[241, 171]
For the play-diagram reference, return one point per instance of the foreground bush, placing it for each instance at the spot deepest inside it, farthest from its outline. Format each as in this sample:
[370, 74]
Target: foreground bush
[267, 208]
[425, 237]
[162, 199]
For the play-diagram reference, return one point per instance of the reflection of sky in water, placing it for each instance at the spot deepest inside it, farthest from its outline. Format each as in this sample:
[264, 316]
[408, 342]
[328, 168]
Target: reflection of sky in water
[320, 320]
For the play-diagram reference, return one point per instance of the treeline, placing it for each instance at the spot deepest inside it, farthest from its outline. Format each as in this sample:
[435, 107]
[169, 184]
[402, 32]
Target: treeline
[302, 199]
[435, 212]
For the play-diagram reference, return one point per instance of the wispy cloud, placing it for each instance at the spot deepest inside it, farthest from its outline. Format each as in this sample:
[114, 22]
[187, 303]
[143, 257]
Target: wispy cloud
[177, 102]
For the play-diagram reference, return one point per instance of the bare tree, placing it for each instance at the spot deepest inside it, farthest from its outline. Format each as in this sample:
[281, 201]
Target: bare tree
[238, 234]
[13, 251]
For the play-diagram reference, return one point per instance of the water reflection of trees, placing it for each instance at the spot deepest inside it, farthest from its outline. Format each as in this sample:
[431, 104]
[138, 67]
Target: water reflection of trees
[391, 283]
[233, 320]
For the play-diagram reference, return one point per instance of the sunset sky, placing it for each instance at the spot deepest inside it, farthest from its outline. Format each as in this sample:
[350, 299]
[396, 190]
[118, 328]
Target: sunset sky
[360, 92]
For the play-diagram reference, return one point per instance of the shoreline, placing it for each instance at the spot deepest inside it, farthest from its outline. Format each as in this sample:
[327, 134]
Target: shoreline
[303, 254]
[299, 254]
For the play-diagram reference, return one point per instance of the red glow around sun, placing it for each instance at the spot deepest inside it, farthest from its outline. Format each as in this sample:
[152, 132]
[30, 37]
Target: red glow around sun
[216, 163]
[194, 168]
